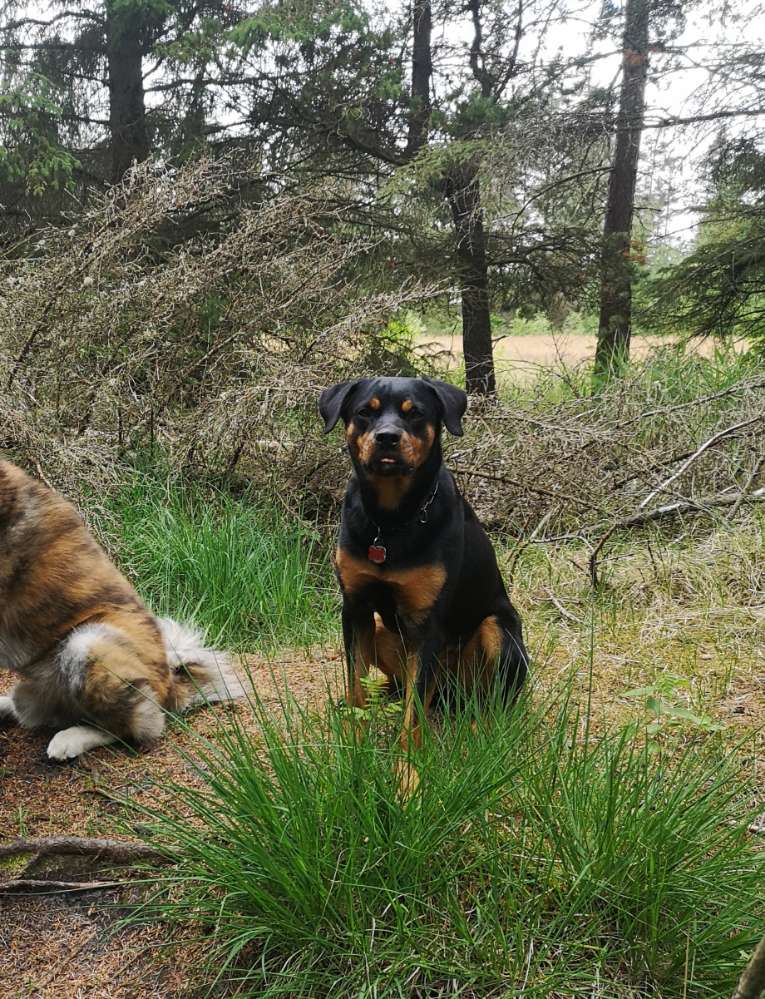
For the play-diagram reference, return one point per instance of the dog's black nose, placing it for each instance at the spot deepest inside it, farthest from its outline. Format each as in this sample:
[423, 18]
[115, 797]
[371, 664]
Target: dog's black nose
[388, 438]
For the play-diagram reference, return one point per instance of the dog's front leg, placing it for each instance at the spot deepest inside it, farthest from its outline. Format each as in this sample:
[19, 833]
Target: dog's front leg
[358, 637]
[420, 686]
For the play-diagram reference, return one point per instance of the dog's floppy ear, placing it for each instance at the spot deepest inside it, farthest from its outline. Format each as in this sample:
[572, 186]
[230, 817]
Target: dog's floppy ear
[332, 401]
[454, 401]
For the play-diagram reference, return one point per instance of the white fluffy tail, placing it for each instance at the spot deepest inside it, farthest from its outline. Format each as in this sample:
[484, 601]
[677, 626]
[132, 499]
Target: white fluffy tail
[201, 675]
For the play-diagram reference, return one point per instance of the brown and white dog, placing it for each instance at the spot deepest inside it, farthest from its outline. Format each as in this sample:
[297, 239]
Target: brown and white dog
[92, 660]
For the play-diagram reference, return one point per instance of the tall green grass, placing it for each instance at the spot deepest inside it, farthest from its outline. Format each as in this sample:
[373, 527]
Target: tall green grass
[244, 572]
[534, 860]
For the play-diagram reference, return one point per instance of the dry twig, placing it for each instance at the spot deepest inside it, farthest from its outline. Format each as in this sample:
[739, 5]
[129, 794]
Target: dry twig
[701, 505]
[31, 886]
[759, 465]
[716, 438]
[560, 608]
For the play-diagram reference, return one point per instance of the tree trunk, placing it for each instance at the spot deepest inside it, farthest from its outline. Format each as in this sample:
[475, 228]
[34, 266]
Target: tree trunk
[463, 193]
[422, 71]
[127, 112]
[614, 327]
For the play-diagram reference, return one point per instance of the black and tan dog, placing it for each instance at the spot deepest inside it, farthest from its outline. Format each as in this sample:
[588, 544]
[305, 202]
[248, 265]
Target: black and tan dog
[423, 598]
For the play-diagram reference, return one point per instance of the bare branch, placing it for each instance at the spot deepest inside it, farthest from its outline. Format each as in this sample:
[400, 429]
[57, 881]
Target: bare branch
[31, 886]
[720, 435]
[695, 506]
[26, 22]
[110, 850]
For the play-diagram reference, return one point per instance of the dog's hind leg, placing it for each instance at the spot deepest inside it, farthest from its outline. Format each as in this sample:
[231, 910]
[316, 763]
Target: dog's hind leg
[40, 702]
[33, 706]
[514, 659]
[119, 683]
[494, 657]
[143, 721]
[126, 695]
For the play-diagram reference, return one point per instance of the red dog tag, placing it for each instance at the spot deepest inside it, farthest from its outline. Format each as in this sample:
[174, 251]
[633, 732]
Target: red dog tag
[377, 554]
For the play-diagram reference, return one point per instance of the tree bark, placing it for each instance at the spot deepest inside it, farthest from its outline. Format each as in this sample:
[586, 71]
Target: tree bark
[614, 327]
[463, 193]
[422, 72]
[102, 850]
[127, 110]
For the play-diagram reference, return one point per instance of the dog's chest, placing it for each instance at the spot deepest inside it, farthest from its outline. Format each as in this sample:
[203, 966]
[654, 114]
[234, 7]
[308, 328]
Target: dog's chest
[413, 590]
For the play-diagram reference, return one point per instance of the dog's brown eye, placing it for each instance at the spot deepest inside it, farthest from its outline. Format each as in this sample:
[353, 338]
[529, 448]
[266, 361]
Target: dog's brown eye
[414, 413]
[365, 413]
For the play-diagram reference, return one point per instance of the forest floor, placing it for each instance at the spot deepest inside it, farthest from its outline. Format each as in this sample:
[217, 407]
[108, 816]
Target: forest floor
[678, 623]
[70, 944]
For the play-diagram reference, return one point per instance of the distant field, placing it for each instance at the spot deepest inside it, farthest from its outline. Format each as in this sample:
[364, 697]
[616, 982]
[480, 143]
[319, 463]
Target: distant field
[523, 356]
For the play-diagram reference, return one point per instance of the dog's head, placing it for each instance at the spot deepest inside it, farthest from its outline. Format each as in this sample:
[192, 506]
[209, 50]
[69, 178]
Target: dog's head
[393, 424]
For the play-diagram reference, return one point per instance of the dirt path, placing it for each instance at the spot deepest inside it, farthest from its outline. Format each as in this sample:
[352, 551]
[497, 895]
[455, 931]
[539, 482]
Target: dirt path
[64, 945]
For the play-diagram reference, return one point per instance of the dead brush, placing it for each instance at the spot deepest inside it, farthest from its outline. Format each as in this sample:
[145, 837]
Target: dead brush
[182, 310]
[586, 468]
[198, 313]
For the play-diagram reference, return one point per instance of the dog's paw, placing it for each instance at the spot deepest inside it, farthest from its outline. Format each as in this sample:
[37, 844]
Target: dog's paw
[72, 742]
[67, 744]
[7, 710]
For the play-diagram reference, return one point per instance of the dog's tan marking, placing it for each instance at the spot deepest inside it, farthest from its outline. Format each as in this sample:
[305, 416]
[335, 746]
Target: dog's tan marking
[411, 730]
[365, 447]
[491, 637]
[410, 733]
[406, 772]
[390, 489]
[414, 449]
[415, 590]
[352, 572]
[363, 658]
[476, 662]
[418, 589]
[389, 650]
[406, 406]
[374, 403]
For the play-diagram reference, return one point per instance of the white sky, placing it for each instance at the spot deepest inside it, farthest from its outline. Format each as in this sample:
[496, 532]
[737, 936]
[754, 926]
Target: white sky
[677, 94]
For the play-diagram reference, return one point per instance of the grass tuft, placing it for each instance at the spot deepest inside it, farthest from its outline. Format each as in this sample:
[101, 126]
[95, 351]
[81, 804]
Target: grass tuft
[534, 860]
